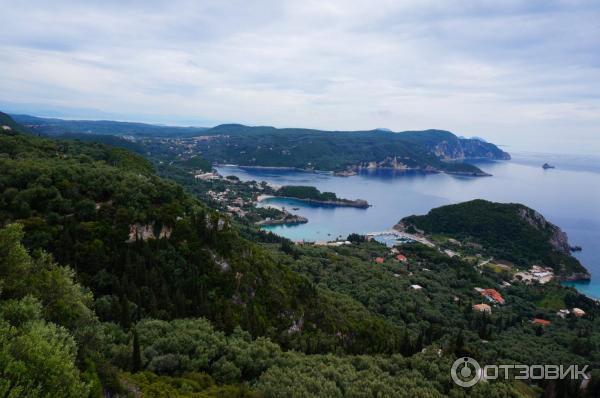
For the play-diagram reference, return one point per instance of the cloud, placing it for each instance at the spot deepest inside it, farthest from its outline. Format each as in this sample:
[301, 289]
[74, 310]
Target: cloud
[497, 69]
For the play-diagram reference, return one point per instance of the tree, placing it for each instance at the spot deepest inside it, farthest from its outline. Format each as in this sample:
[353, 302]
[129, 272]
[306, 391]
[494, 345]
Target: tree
[38, 358]
[136, 360]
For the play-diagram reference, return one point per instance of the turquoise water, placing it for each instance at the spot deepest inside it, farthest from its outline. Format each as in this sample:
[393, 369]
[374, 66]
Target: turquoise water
[568, 196]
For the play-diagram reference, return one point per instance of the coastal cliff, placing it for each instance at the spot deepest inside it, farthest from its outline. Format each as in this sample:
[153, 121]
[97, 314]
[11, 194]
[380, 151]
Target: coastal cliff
[409, 164]
[557, 237]
[508, 231]
[460, 149]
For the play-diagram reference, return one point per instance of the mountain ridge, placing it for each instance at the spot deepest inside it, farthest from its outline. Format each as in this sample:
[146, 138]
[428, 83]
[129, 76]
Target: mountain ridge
[431, 150]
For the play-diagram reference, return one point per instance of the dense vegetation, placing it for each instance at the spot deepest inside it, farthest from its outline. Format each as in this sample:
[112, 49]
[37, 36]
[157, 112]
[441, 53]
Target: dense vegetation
[115, 281]
[506, 231]
[147, 248]
[58, 127]
[304, 192]
[441, 310]
[43, 315]
[321, 150]
[6, 120]
[430, 150]
[111, 140]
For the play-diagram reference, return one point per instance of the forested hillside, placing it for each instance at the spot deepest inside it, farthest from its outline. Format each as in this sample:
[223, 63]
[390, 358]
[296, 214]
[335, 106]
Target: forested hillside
[147, 248]
[115, 282]
[429, 150]
[507, 231]
[7, 124]
[57, 127]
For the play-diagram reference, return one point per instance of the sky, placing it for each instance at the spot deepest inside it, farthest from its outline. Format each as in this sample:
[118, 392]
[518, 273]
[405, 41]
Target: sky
[525, 74]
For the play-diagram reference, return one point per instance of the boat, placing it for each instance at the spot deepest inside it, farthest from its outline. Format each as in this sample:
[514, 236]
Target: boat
[546, 166]
[295, 208]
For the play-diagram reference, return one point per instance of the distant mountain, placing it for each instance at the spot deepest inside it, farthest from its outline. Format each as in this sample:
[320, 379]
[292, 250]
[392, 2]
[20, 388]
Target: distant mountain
[54, 127]
[428, 150]
[7, 124]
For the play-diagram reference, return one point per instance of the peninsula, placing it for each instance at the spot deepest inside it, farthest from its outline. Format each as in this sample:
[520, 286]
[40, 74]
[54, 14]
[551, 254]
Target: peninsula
[313, 195]
[508, 232]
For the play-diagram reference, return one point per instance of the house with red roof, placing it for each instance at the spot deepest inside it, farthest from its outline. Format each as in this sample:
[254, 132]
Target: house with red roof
[542, 322]
[379, 260]
[402, 258]
[492, 295]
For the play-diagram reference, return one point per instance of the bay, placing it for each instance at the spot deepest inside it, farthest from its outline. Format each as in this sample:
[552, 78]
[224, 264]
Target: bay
[568, 196]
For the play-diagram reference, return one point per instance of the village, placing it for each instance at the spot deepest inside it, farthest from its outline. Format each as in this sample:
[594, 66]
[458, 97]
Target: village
[490, 296]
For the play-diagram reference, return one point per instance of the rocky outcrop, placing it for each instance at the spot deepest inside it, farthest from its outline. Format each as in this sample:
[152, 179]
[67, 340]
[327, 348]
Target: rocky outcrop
[558, 239]
[477, 149]
[441, 151]
[576, 277]
[465, 149]
[390, 162]
[449, 150]
[148, 231]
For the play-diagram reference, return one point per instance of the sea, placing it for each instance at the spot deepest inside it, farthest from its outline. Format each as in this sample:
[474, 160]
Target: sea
[567, 195]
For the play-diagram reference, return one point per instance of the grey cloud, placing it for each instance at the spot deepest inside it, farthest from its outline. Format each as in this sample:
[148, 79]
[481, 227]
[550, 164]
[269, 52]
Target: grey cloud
[507, 68]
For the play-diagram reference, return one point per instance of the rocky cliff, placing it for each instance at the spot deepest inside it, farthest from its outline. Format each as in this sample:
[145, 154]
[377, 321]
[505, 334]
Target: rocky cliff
[455, 149]
[557, 237]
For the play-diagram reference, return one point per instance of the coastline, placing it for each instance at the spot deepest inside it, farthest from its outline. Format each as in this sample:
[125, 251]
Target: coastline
[510, 171]
[353, 170]
[289, 168]
[580, 287]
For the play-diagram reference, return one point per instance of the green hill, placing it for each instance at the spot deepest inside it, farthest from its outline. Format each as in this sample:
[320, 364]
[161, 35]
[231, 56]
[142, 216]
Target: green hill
[7, 124]
[115, 282]
[510, 231]
[429, 150]
[57, 127]
[146, 248]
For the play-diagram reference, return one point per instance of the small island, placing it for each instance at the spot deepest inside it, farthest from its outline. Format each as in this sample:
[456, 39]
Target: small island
[345, 173]
[313, 195]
